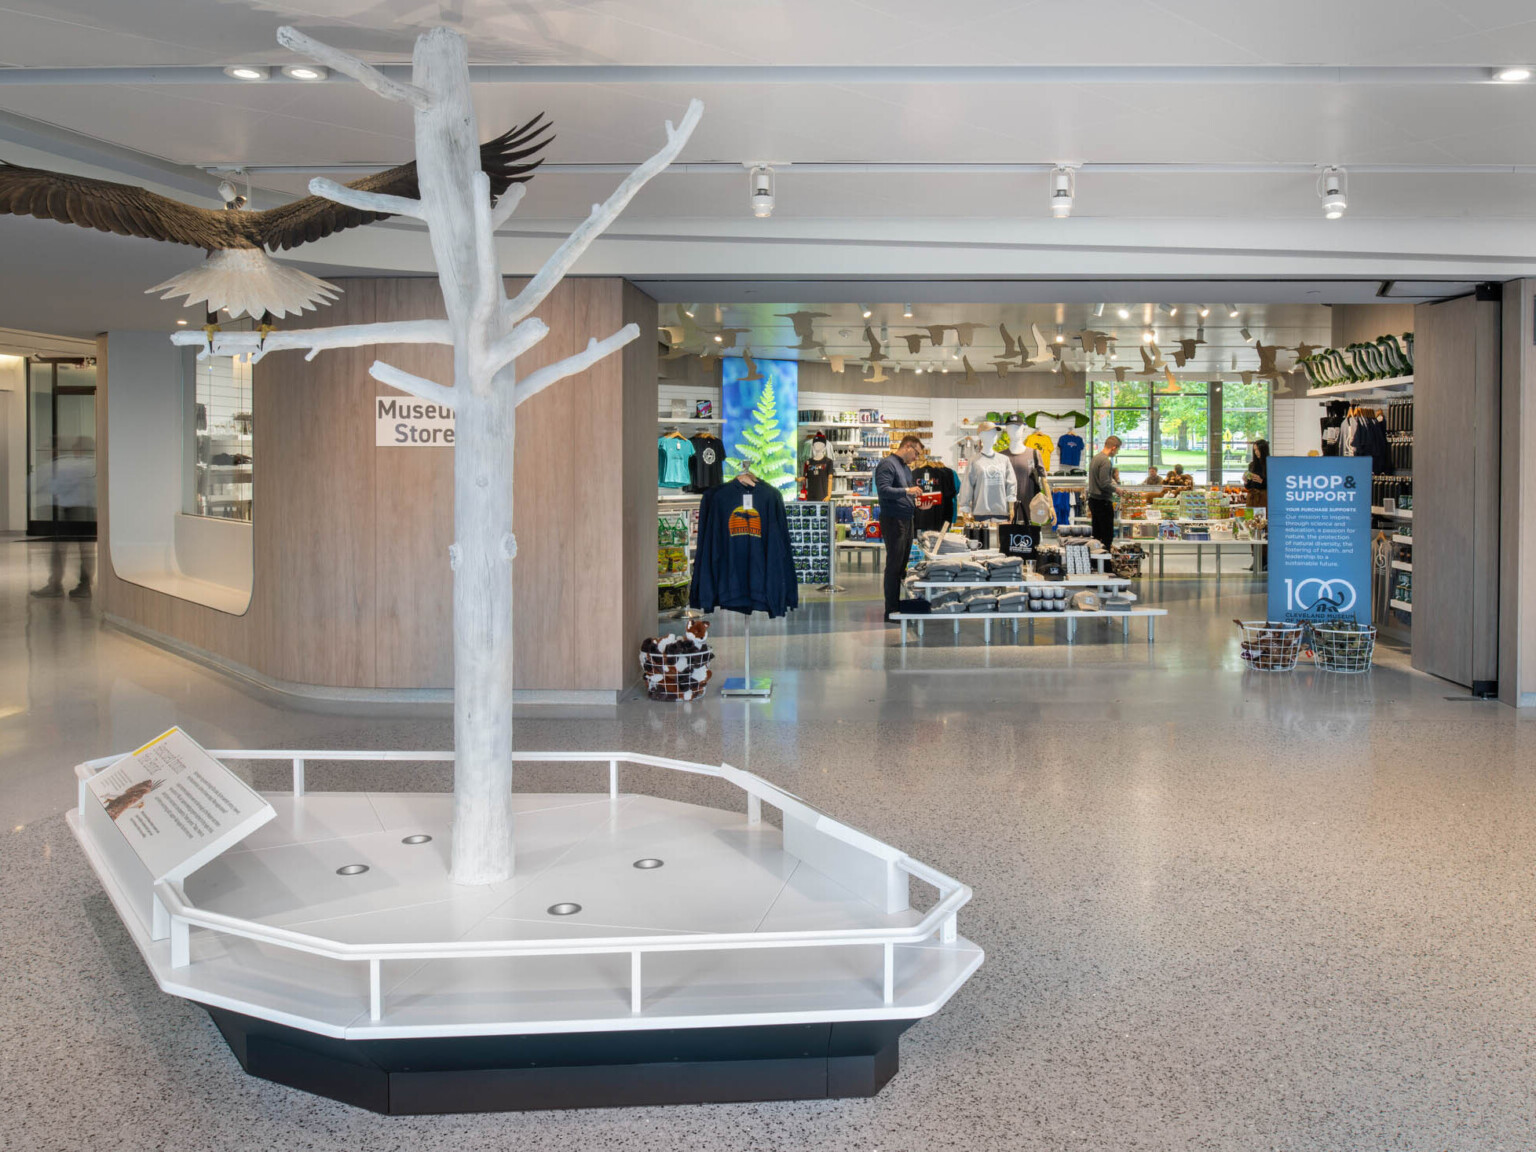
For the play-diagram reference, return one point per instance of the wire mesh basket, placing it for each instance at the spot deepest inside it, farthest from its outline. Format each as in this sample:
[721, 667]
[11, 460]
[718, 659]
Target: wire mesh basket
[1343, 648]
[677, 673]
[1268, 646]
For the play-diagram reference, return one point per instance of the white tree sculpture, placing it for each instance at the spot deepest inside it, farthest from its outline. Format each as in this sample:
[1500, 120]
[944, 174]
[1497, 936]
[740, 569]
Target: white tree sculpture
[488, 332]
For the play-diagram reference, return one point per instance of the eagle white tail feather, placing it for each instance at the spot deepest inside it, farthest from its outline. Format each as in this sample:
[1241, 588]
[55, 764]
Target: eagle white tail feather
[248, 282]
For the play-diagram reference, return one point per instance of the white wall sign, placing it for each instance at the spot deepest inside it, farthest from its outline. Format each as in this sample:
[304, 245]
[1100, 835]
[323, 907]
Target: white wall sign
[177, 806]
[405, 422]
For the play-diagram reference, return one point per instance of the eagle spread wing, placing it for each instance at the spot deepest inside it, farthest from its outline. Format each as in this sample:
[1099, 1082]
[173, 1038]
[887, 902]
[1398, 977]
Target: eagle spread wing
[130, 211]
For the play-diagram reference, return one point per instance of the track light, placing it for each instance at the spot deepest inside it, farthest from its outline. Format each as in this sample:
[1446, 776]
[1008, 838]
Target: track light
[308, 72]
[181, 321]
[1232, 311]
[1098, 311]
[1061, 337]
[1168, 309]
[1330, 186]
[719, 339]
[906, 311]
[1204, 310]
[1148, 336]
[1245, 334]
[1063, 189]
[1123, 312]
[248, 71]
[760, 188]
[866, 311]
[688, 312]
[1513, 74]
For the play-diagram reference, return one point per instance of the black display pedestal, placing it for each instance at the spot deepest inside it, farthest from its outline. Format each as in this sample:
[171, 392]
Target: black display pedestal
[573, 1070]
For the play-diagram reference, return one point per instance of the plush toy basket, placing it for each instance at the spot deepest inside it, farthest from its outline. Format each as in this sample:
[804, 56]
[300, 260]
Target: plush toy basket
[677, 667]
[1343, 648]
[1268, 646]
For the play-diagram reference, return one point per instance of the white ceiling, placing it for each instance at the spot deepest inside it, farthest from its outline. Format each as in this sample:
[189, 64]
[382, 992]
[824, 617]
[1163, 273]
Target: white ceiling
[1248, 224]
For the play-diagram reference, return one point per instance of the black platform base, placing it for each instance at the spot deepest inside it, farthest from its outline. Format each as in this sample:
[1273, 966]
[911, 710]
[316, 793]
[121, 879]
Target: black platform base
[580, 1070]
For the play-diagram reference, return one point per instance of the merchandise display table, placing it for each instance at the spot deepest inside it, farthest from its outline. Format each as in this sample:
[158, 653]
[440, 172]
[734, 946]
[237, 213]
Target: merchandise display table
[1070, 615]
[858, 549]
[1250, 547]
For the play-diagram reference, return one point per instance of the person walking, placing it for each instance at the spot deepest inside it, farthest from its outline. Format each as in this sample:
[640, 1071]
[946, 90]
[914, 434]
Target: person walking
[73, 487]
[1101, 492]
[898, 505]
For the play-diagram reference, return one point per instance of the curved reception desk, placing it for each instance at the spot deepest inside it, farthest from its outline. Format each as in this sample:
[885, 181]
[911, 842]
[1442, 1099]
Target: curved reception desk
[337, 587]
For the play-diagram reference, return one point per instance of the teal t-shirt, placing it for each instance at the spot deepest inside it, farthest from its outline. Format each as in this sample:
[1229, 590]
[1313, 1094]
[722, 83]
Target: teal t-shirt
[673, 456]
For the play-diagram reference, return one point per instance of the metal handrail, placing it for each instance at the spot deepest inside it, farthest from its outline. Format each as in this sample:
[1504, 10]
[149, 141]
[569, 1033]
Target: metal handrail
[940, 920]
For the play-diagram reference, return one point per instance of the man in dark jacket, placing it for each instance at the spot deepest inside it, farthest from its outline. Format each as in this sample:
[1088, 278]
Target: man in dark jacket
[898, 504]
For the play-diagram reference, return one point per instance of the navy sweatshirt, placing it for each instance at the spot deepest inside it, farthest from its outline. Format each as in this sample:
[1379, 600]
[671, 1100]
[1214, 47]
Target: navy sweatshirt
[743, 563]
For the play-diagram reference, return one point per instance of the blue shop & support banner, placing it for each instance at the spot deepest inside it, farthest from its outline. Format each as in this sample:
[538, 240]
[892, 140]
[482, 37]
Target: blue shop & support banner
[1320, 538]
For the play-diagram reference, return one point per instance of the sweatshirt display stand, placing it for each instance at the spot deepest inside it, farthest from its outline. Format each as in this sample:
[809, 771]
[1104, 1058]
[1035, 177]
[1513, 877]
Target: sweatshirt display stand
[755, 687]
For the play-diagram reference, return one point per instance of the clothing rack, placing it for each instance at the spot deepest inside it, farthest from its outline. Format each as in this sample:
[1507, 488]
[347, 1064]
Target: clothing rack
[757, 688]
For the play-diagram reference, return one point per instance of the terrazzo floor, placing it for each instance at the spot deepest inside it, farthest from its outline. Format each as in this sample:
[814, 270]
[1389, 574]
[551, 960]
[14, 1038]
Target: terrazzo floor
[1221, 910]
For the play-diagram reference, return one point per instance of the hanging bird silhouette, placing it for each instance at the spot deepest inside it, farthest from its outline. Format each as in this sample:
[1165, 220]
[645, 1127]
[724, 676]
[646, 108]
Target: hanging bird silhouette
[1247, 377]
[837, 364]
[936, 333]
[1303, 350]
[914, 342]
[1186, 351]
[874, 346]
[1093, 340]
[1002, 367]
[1120, 373]
[727, 336]
[964, 331]
[804, 327]
[1267, 353]
[238, 275]
[1147, 367]
[1070, 378]
[970, 373]
[753, 375]
[1040, 343]
[878, 376]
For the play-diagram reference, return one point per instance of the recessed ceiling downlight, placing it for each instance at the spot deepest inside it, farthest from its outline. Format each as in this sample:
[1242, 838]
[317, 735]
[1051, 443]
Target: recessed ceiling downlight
[1512, 74]
[309, 72]
[248, 71]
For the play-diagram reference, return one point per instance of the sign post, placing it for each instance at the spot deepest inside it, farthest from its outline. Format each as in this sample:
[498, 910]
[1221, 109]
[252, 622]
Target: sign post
[1319, 538]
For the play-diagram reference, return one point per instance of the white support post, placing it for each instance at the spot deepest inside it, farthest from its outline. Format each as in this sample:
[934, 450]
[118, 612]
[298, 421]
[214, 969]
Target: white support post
[298, 776]
[159, 919]
[636, 994]
[949, 930]
[754, 808]
[889, 983]
[375, 991]
[613, 779]
[181, 942]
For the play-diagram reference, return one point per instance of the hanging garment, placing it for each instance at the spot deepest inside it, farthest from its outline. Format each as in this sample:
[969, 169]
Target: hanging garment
[1042, 444]
[1333, 418]
[743, 562]
[1069, 448]
[990, 487]
[1025, 465]
[672, 457]
[708, 464]
[936, 478]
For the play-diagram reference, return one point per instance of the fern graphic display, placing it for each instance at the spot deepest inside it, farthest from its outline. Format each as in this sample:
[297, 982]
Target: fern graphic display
[764, 448]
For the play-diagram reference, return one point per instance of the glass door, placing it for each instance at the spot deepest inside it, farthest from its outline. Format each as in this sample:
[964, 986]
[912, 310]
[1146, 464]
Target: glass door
[61, 448]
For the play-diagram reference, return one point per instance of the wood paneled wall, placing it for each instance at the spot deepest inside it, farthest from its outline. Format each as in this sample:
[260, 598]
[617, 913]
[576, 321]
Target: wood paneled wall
[352, 586]
[1517, 512]
[1456, 451]
[1353, 323]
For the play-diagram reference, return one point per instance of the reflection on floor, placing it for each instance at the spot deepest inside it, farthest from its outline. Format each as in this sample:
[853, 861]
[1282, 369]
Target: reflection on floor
[1221, 909]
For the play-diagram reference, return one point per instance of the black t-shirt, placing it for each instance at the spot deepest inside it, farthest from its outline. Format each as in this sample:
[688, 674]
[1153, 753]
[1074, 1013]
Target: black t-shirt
[708, 464]
[936, 478]
[818, 478]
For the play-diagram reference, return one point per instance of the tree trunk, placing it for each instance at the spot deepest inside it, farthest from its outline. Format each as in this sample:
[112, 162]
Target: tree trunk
[482, 629]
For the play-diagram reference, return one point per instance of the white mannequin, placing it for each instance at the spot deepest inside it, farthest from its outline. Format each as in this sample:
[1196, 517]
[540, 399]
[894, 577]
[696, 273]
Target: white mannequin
[818, 449]
[989, 488]
[1024, 461]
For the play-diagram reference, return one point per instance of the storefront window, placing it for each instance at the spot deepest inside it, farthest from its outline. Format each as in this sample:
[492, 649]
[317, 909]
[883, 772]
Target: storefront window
[222, 463]
[1123, 408]
[1183, 428]
[1244, 419]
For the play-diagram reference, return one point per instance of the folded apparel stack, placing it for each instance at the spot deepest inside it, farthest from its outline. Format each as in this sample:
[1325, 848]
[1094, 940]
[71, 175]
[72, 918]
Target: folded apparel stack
[948, 601]
[943, 544]
[1004, 568]
[970, 570]
[1016, 600]
[941, 570]
[981, 601]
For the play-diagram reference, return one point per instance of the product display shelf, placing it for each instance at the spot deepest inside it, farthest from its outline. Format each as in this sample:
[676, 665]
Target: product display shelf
[1398, 514]
[1362, 389]
[646, 951]
[707, 422]
[841, 424]
[1402, 565]
[1070, 615]
[1398, 539]
[1401, 605]
[1110, 583]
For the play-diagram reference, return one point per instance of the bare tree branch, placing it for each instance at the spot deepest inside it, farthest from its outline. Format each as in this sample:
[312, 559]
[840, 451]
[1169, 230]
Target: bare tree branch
[527, 333]
[348, 65]
[489, 293]
[535, 382]
[602, 215]
[423, 389]
[507, 205]
[316, 340]
[367, 201]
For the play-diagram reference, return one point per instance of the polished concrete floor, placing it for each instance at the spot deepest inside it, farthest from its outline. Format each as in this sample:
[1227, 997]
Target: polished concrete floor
[1222, 910]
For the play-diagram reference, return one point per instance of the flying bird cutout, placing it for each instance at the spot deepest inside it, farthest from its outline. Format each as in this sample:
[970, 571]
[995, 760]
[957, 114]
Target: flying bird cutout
[874, 346]
[914, 342]
[238, 275]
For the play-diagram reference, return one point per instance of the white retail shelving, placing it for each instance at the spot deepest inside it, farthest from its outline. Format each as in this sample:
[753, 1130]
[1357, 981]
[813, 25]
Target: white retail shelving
[1363, 387]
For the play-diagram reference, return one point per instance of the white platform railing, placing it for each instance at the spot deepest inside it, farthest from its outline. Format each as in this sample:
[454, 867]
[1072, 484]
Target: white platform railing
[940, 920]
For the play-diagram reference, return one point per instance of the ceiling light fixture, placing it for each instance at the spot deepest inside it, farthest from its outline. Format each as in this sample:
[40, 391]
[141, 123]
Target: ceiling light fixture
[308, 72]
[760, 189]
[1512, 74]
[1204, 310]
[1245, 334]
[247, 72]
[181, 321]
[1061, 337]
[866, 311]
[906, 311]
[1063, 189]
[1123, 312]
[1148, 336]
[719, 339]
[1232, 311]
[1098, 311]
[1330, 186]
[1168, 309]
